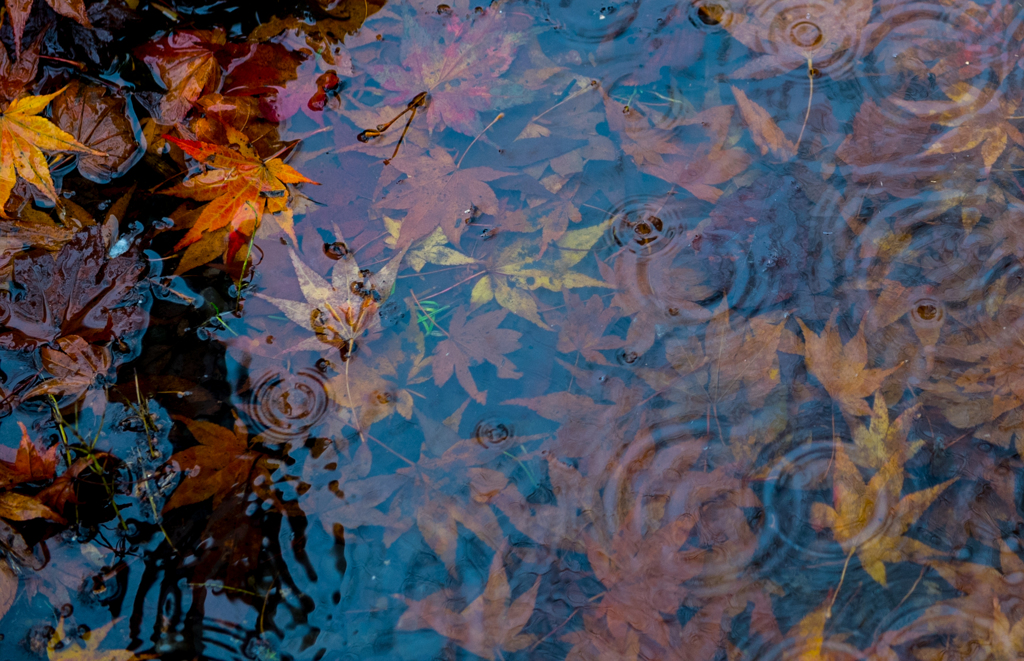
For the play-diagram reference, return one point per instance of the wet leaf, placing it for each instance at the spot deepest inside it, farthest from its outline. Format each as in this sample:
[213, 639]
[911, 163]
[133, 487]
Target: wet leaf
[491, 622]
[343, 309]
[870, 518]
[60, 648]
[74, 367]
[842, 368]
[220, 464]
[23, 134]
[186, 64]
[472, 342]
[239, 187]
[766, 133]
[103, 121]
[458, 63]
[20, 10]
[438, 193]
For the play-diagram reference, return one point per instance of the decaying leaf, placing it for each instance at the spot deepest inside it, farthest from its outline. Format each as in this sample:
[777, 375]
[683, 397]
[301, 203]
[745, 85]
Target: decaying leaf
[842, 368]
[491, 622]
[343, 309]
[870, 518]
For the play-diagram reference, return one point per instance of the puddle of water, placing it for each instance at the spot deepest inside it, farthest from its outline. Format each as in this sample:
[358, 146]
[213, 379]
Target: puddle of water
[703, 342]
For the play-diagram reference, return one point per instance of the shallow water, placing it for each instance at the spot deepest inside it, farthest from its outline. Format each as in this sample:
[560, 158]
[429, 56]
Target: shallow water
[683, 331]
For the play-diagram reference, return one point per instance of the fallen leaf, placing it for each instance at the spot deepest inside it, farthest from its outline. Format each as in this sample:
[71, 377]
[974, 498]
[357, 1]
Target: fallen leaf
[103, 121]
[343, 309]
[220, 464]
[438, 193]
[74, 368]
[239, 187]
[471, 342]
[491, 622]
[870, 519]
[766, 133]
[60, 649]
[457, 62]
[185, 62]
[22, 135]
[842, 369]
[19, 507]
[20, 10]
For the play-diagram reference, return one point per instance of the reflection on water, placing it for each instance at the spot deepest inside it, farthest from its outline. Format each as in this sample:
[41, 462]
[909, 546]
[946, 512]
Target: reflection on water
[708, 346]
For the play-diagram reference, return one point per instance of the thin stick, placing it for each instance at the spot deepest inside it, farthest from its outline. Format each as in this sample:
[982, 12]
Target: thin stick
[842, 578]
[459, 164]
[810, 97]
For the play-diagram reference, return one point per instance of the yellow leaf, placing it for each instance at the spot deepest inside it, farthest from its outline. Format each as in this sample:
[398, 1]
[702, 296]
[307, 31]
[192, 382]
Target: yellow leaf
[482, 292]
[432, 250]
[22, 137]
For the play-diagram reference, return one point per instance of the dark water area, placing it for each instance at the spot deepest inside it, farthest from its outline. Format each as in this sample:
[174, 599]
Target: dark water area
[530, 330]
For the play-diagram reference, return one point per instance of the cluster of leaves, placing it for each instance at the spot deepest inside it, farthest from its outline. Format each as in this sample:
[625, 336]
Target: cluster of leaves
[766, 319]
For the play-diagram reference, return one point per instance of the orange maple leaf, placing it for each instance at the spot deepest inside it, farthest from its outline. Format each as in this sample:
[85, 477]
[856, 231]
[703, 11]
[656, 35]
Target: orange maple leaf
[239, 186]
[842, 368]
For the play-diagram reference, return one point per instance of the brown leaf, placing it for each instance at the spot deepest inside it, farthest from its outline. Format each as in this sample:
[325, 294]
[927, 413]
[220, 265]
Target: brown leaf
[474, 342]
[215, 468]
[74, 367]
[766, 133]
[186, 63]
[491, 622]
[103, 121]
[582, 327]
[8, 587]
[18, 507]
[842, 369]
[439, 193]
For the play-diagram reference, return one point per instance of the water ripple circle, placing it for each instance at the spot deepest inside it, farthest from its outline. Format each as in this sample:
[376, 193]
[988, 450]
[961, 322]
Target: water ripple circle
[286, 406]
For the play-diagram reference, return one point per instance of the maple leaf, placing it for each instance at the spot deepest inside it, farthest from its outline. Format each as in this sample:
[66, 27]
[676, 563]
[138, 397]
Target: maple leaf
[29, 464]
[23, 134]
[74, 367]
[456, 62]
[658, 149]
[340, 492]
[842, 368]
[790, 36]
[490, 622]
[976, 119]
[643, 575]
[871, 518]
[21, 9]
[582, 327]
[438, 193]
[16, 76]
[560, 524]
[341, 310]
[221, 463]
[515, 271]
[8, 587]
[185, 62]
[239, 187]
[728, 363]
[879, 441]
[60, 649]
[104, 121]
[81, 291]
[19, 507]
[475, 341]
